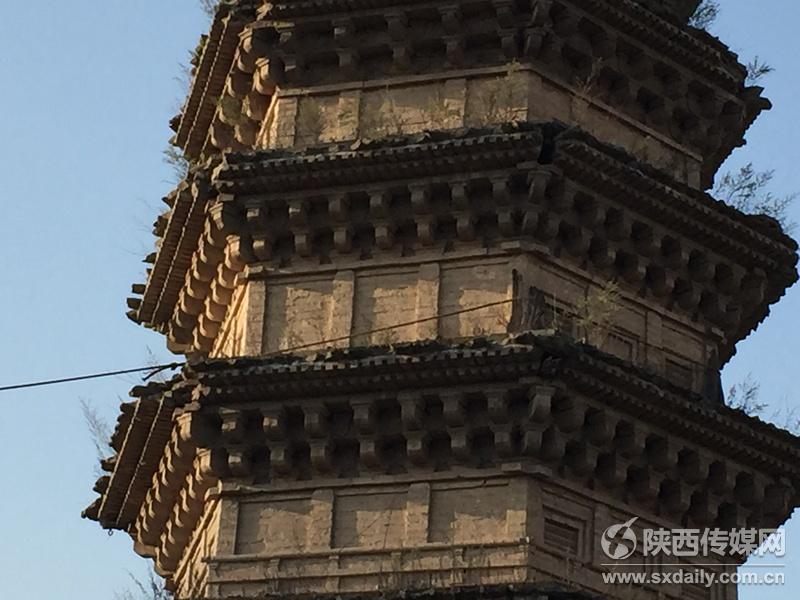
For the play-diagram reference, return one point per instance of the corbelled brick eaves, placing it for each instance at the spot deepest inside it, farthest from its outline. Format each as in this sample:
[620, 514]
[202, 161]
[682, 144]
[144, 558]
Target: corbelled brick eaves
[426, 154]
[557, 360]
[139, 439]
[710, 60]
[177, 242]
[755, 243]
[210, 74]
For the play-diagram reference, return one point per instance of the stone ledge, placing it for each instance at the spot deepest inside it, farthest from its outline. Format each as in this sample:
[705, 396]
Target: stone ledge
[539, 591]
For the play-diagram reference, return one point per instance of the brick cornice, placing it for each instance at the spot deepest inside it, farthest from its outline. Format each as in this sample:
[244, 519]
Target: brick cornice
[588, 200]
[537, 591]
[214, 64]
[234, 84]
[421, 155]
[598, 416]
[433, 364]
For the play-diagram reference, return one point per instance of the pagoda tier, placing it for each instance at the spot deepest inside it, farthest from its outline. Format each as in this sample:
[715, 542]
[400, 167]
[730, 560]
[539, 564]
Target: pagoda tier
[428, 465]
[549, 208]
[673, 95]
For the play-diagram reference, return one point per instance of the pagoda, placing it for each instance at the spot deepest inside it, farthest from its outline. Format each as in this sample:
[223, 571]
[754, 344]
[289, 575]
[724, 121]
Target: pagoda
[453, 302]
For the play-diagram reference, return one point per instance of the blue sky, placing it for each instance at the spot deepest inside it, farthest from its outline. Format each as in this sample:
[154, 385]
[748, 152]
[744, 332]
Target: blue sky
[88, 88]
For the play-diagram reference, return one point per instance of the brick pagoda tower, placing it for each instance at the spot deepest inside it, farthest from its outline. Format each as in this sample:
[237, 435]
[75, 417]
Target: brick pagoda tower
[454, 302]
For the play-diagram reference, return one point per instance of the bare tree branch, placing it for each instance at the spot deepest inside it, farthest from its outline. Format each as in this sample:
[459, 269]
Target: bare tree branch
[746, 190]
[177, 161]
[99, 429]
[152, 589]
[757, 70]
[596, 312]
[744, 396]
[706, 14]
[209, 6]
[153, 361]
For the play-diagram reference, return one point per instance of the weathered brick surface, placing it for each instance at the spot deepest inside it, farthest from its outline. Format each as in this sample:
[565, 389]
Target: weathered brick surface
[471, 171]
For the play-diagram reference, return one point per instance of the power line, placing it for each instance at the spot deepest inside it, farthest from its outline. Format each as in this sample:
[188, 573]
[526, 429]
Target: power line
[352, 336]
[155, 369]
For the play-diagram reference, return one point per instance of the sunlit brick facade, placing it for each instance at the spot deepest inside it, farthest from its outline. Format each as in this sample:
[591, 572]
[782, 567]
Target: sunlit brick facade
[454, 302]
